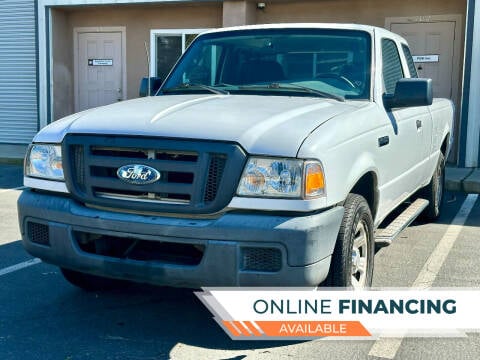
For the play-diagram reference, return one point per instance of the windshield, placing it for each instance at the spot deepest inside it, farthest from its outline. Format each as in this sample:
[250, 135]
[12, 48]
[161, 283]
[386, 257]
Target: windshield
[335, 63]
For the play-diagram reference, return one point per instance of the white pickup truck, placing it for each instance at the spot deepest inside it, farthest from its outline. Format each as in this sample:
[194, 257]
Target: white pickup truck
[270, 156]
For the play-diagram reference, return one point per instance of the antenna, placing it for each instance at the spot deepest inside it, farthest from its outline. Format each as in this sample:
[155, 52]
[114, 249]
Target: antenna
[148, 68]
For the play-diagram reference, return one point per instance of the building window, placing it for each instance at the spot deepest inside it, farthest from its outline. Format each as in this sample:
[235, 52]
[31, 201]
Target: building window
[166, 46]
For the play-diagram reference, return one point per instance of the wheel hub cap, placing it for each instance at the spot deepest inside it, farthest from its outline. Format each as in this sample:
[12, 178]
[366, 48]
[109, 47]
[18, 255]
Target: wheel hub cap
[360, 256]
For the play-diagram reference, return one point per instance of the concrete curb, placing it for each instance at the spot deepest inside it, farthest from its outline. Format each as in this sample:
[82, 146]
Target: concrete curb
[472, 183]
[462, 179]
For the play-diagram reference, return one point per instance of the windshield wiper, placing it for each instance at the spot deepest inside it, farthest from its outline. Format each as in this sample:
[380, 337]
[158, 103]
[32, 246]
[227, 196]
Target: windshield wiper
[306, 88]
[201, 86]
[293, 86]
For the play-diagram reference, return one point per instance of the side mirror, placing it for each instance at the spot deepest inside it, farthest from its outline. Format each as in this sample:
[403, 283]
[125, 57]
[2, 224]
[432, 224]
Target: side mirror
[155, 83]
[410, 92]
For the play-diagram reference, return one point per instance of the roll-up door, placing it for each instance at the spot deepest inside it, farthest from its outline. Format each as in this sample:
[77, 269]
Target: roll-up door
[18, 94]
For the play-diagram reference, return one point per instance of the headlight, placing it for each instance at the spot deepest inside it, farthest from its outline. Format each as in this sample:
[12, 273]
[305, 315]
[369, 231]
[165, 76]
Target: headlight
[282, 178]
[44, 161]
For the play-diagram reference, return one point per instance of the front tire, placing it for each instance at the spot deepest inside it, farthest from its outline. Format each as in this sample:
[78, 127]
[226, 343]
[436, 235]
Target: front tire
[90, 282]
[352, 260]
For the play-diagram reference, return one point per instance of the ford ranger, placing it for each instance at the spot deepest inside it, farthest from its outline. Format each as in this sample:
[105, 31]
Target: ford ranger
[270, 156]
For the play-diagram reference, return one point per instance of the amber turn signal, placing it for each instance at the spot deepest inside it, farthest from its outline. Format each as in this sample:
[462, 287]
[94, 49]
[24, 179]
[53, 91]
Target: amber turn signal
[314, 180]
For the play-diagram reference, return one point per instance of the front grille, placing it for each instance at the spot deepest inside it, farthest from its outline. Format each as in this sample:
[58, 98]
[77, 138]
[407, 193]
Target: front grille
[215, 173]
[38, 233]
[261, 259]
[195, 177]
[78, 159]
[139, 249]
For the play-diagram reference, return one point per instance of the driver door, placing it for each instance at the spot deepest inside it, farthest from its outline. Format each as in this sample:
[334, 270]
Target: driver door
[401, 146]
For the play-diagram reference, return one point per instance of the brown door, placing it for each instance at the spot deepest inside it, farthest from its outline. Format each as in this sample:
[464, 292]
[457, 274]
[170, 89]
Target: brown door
[99, 66]
[432, 46]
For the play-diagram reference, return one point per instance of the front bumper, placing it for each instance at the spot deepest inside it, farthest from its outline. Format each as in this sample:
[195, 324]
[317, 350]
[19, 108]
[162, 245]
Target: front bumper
[304, 244]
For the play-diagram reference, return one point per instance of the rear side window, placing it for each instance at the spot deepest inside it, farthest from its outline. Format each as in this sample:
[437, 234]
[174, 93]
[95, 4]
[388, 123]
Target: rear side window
[411, 64]
[392, 66]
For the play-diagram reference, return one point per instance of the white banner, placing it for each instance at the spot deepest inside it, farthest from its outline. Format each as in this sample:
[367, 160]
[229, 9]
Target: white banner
[304, 313]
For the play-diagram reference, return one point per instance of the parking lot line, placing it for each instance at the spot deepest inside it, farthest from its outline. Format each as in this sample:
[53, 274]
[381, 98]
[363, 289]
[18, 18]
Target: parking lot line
[12, 189]
[386, 348]
[19, 266]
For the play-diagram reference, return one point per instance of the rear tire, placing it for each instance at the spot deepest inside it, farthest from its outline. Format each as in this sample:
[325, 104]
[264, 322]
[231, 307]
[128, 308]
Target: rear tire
[433, 192]
[352, 260]
[90, 282]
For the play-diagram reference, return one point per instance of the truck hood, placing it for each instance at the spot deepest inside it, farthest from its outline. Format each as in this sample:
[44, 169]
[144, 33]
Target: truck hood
[268, 125]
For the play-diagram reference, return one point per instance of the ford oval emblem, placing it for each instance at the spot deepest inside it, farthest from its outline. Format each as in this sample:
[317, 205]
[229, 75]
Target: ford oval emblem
[138, 174]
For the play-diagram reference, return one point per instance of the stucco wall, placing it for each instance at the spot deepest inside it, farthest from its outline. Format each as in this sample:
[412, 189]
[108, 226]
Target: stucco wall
[62, 60]
[138, 20]
[371, 12]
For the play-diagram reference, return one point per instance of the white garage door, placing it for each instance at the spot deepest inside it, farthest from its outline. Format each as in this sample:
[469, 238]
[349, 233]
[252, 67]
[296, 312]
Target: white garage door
[18, 86]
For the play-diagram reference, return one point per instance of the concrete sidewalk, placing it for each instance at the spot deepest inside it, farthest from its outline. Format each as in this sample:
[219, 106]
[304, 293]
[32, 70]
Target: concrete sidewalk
[462, 179]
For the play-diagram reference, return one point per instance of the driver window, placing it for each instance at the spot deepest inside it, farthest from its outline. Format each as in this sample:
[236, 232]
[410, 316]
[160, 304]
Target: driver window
[392, 66]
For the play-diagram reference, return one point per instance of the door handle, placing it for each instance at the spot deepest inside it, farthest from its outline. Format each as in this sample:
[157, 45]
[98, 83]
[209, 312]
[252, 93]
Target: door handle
[419, 124]
[384, 140]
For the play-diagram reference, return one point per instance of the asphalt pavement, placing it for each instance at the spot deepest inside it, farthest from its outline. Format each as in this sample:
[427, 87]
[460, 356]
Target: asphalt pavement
[44, 317]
